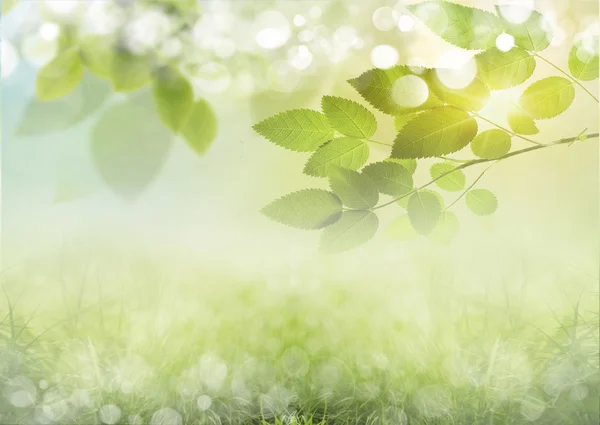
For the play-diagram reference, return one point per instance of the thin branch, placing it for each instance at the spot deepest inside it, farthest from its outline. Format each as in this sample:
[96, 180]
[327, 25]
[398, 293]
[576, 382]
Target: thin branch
[512, 133]
[379, 143]
[482, 161]
[569, 76]
[470, 187]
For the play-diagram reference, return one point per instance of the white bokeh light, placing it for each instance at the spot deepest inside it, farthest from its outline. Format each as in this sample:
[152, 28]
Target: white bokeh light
[20, 391]
[38, 51]
[147, 31]
[384, 56]
[406, 23]
[516, 11]
[383, 19]
[166, 416]
[62, 7]
[49, 31]
[273, 30]
[299, 20]
[300, 57]
[211, 77]
[10, 58]
[203, 402]
[110, 414]
[410, 91]
[456, 69]
[505, 42]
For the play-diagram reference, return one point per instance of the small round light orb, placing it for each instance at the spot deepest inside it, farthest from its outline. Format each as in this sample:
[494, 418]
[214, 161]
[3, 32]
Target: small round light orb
[299, 20]
[166, 416]
[406, 23]
[274, 30]
[38, 51]
[204, 402]
[456, 69]
[516, 11]
[410, 91]
[505, 42]
[384, 56]
[110, 414]
[315, 12]
[383, 19]
[10, 58]
[49, 31]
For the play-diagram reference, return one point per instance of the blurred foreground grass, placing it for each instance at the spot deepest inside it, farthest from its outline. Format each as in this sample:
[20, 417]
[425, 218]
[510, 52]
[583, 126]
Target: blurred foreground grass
[142, 344]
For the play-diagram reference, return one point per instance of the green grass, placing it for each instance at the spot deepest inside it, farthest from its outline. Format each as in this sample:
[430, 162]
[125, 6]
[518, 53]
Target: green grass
[79, 346]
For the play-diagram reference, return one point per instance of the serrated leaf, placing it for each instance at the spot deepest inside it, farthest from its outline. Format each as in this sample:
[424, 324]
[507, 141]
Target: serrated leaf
[173, 97]
[353, 229]
[548, 98]
[129, 145]
[535, 34]
[521, 123]
[59, 76]
[401, 229]
[491, 144]
[409, 163]
[502, 70]
[447, 177]
[200, 128]
[446, 229]
[342, 152]
[474, 97]
[401, 120]
[306, 209]
[348, 117]
[43, 118]
[583, 59]
[390, 178]
[440, 131]
[481, 201]
[462, 26]
[376, 86]
[424, 210]
[356, 191]
[301, 130]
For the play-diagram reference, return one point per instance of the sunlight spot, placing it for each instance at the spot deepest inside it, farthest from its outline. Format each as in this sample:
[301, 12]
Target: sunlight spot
[204, 402]
[10, 58]
[410, 91]
[383, 19]
[166, 416]
[49, 31]
[456, 69]
[299, 20]
[315, 12]
[38, 51]
[171, 48]
[212, 77]
[20, 392]
[516, 11]
[274, 30]
[300, 57]
[384, 56]
[110, 414]
[505, 42]
[43, 384]
[406, 23]
[62, 7]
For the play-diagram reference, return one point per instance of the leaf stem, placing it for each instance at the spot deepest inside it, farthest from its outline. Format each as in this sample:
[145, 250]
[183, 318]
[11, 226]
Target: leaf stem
[470, 187]
[495, 160]
[379, 143]
[569, 76]
[512, 133]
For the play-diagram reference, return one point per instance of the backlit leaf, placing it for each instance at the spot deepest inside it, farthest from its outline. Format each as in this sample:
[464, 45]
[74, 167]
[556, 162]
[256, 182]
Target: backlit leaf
[356, 190]
[401, 120]
[173, 97]
[410, 164]
[305, 209]
[491, 144]
[447, 179]
[129, 146]
[462, 26]
[583, 59]
[481, 201]
[59, 76]
[535, 34]
[390, 178]
[200, 128]
[548, 98]
[521, 123]
[440, 131]
[348, 117]
[342, 152]
[301, 130]
[352, 230]
[474, 97]
[424, 211]
[501, 70]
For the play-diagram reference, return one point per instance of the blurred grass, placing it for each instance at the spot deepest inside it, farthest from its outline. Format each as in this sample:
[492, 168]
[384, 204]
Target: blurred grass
[78, 346]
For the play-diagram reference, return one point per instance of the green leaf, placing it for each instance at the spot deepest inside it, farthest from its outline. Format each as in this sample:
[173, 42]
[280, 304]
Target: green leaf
[535, 34]
[173, 97]
[440, 131]
[410, 164]
[482, 201]
[452, 181]
[376, 86]
[200, 128]
[306, 209]
[548, 98]
[128, 72]
[424, 211]
[348, 117]
[583, 59]
[342, 152]
[474, 97]
[521, 123]
[446, 229]
[462, 26]
[352, 230]
[390, 178]
[301, 130]
[97, 53]
[491, 144]
[43, 118]
[502, 70]
[401, 229]
[59, 76]
[401, 120]
[129, 145]
[356, 191]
